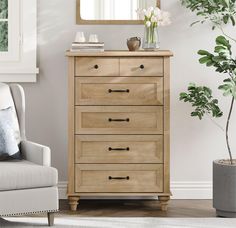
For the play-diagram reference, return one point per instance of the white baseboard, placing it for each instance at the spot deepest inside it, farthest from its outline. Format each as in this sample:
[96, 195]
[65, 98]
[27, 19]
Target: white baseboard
[180, 190]
[62, 188]
[191, 190]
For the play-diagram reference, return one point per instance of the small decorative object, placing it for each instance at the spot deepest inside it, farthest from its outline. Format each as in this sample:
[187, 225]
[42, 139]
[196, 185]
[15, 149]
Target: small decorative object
[93, 38]
[153, 18]
[80, 38]
[134, 43]
[87, 47]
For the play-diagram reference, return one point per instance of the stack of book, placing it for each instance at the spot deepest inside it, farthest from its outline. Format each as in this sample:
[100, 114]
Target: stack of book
[87, 47]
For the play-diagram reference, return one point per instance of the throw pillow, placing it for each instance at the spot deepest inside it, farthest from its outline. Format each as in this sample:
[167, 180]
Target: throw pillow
[9, 135]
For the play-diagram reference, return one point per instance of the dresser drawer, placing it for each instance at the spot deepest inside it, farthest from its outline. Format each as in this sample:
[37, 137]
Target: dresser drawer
[142, 66]
[119, 120]
[119, 178]
[119, 91]
[90, 66]
[119, 149]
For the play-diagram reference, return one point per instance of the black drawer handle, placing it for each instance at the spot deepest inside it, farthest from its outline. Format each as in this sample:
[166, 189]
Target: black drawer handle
[142, 67]
[96, 66]
[118, 149]
[118, 178]
[118, 90]
[118, 120]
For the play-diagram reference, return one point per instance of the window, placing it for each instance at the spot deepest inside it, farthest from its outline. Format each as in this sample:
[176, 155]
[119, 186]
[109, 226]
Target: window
[9, 30]
[3, 25]
[18, 20]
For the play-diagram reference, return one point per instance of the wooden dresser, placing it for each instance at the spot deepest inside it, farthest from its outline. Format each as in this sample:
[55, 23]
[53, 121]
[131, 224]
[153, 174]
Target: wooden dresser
[119, 126]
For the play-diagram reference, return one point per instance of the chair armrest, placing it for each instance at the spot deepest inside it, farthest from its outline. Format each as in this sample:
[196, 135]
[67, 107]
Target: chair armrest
[36, 153]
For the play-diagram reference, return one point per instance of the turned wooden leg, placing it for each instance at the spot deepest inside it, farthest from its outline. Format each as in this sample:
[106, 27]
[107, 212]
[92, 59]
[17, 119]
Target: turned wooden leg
[164, 202]
[50, 219]
[73, 201]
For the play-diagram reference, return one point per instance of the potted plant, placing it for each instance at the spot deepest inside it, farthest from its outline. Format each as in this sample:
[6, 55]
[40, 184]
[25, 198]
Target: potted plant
[219, 12]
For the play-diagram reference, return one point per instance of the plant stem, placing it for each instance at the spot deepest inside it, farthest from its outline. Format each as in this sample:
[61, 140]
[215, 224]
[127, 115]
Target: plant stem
[153, 37]
[148, 35]
[218, 125]
[227, 130]
[227, 35]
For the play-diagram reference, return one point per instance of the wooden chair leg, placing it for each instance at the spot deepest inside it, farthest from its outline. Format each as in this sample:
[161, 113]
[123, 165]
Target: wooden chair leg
[50, 219]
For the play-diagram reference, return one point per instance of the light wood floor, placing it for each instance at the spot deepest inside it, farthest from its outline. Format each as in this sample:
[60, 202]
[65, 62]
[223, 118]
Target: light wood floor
[139, 208]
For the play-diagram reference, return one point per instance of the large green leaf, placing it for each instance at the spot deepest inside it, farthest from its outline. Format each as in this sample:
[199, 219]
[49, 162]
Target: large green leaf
[221, 40]
[203, 52]
[204, 59]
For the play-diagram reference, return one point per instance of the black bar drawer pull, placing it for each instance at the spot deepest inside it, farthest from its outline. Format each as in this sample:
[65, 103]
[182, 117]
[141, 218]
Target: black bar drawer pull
[118, 120]
[118, 149]
[118, 178]
[118, 90]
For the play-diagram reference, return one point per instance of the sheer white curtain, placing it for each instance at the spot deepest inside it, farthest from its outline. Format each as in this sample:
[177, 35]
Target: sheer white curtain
[113, 9]
[109, 9]
[144, 4]
[118, 9]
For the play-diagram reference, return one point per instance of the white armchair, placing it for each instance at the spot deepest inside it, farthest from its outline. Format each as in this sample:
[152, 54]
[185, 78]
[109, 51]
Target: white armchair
[29, 185]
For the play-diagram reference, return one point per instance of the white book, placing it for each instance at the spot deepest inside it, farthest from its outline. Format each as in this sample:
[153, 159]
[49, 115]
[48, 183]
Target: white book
[87, 44]
[77, 48]
[87, 50]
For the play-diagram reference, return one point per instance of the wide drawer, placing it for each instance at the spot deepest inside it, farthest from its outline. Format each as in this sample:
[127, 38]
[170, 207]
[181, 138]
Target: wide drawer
[119, 178]
[119, 120]
[119, 91]
[99, 66]
[147, 66]
[119, 149]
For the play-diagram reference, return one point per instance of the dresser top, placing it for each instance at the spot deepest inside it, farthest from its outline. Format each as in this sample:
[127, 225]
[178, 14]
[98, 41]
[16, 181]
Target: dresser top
[159, 53]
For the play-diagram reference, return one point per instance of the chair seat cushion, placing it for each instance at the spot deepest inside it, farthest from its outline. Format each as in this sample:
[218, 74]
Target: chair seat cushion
[21, 174]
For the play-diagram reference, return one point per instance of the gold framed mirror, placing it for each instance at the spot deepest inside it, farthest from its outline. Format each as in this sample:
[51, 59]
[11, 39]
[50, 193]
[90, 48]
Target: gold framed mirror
[111, 11]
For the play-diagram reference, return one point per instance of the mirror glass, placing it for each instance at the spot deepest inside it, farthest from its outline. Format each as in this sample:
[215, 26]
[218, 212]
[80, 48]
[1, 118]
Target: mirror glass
[113, 9]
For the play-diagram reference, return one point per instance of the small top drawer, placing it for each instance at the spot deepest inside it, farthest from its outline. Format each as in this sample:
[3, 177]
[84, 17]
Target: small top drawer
[96, 66]
[141, 66]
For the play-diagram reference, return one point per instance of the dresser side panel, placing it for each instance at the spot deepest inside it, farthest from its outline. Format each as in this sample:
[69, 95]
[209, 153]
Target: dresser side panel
[71, 124]
[167, 124]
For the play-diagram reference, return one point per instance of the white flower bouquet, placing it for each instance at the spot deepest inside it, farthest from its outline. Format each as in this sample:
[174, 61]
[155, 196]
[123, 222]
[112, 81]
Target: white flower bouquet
[153, 18]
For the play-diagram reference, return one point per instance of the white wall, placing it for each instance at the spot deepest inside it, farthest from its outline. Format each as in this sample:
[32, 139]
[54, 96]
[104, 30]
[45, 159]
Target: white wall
[194, 144]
